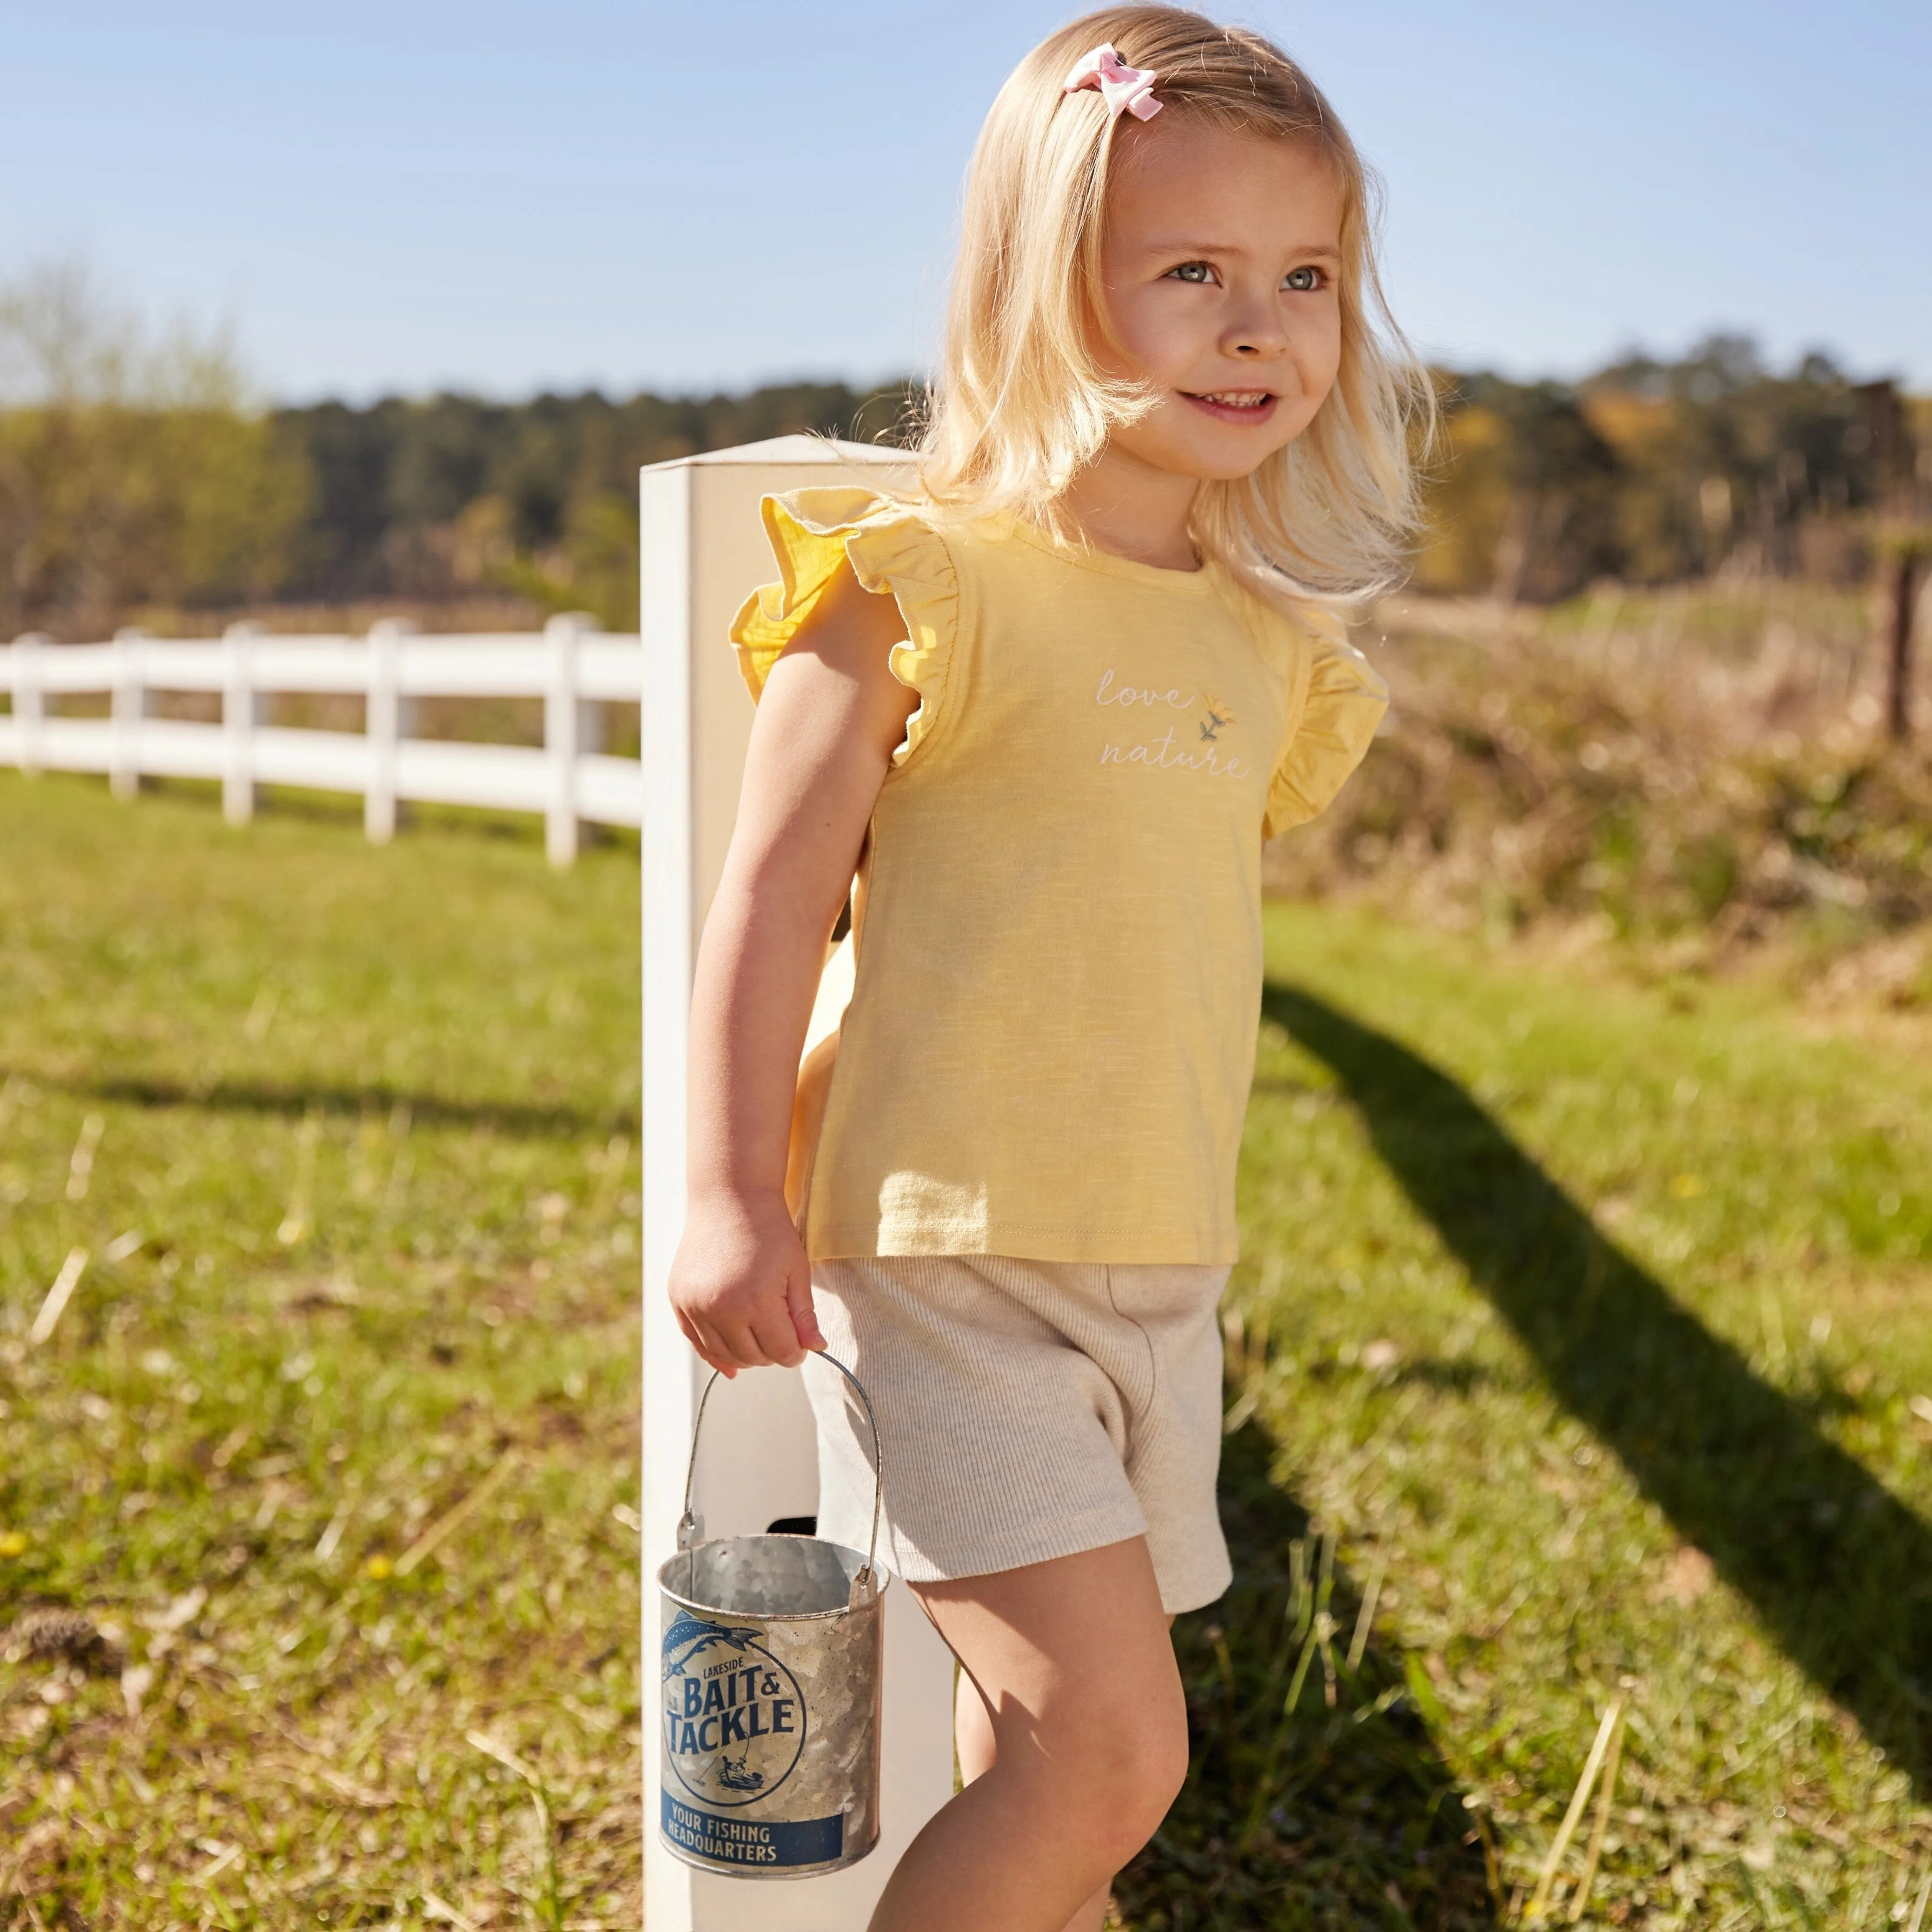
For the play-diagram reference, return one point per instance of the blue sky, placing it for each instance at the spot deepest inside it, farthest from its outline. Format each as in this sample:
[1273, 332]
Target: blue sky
[683, 197]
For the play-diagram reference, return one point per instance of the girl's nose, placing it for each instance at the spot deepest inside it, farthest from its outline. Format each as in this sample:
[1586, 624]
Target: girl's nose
[1255, 337]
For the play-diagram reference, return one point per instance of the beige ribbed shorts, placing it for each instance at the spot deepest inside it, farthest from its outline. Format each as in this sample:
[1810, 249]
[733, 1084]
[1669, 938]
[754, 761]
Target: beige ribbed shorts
[1028, 1410]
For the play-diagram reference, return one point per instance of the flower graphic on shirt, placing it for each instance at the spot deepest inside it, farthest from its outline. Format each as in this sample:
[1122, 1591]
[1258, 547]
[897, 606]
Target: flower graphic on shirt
[1218, 714]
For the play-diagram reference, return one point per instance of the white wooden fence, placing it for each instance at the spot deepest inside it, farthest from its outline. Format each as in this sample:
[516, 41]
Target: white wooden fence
[571, 666]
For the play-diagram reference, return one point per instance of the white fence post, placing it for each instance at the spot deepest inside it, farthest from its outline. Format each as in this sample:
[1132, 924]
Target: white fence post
[130, 707]
[385, 724]
[30, 701]
[561, 734]
[242, 708]
[702, 548]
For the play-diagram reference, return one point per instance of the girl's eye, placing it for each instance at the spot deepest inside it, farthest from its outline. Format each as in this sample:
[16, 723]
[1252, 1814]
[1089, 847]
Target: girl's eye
[1304, 281]
[1193, 271]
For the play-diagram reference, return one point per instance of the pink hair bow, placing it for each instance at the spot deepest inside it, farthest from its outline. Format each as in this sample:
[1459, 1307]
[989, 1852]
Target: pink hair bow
[1123, 88]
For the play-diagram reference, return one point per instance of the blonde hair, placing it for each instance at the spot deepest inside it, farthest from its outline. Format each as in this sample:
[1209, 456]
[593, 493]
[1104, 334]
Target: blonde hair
[1020, 403]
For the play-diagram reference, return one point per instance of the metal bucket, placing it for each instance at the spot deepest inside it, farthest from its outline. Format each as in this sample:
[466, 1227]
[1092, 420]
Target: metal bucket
[773, 1659]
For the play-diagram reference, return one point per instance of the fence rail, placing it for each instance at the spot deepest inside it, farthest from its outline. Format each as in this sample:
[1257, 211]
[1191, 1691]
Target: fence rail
[574, 669]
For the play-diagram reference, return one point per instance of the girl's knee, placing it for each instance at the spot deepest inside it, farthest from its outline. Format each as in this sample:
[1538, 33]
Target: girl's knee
[1137, 1801]
[1123, 1776]
[1160, 1766]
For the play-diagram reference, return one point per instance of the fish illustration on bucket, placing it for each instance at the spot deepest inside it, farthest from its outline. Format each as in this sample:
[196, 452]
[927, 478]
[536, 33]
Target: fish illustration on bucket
[773, 1659]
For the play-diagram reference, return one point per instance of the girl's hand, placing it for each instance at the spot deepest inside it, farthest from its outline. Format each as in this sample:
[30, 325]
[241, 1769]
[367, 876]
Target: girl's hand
[742, 1286]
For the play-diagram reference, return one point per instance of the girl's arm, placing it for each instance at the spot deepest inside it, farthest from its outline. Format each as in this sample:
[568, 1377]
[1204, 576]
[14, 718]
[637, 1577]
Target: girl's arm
[830, 717]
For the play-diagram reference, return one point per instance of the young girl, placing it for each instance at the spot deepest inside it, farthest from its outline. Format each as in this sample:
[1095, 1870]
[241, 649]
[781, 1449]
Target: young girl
[1045, 706]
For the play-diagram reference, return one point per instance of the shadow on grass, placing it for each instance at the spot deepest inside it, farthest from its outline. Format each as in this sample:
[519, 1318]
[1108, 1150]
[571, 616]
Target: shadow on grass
[522, 1119]
[1839, 1572]
[1342, 1814]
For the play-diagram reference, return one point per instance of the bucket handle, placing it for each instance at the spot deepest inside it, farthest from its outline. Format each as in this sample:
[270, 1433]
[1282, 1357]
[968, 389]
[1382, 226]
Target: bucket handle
[688, 1525]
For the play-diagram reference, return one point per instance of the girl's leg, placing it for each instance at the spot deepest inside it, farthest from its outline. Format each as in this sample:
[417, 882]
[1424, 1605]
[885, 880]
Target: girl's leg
[972, 1731]
[1071, 1664]
[972, 1737]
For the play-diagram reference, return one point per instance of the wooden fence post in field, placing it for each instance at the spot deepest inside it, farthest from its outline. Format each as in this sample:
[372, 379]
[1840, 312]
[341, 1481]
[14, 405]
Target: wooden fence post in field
[30, 702]
[385, 724]
[131, 703]
[242, 708]
[1904, 503]
[1907, 565]
[562, 729]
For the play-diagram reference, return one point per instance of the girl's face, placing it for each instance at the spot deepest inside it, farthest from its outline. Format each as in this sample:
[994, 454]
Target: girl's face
[1219, 263]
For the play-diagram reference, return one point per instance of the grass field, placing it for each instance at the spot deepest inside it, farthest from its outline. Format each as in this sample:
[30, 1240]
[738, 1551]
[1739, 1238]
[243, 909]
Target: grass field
[370, 1117]
[1581, 1370]
[1592, 1321]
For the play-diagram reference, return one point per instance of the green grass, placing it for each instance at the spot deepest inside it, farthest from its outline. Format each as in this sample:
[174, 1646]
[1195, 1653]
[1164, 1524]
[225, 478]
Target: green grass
[1573, 1360]
[371, 1116]
[1587, 1318]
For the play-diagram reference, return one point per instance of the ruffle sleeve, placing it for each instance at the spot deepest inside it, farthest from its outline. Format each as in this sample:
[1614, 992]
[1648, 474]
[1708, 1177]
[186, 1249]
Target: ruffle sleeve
[1344, 703]
[891, 551]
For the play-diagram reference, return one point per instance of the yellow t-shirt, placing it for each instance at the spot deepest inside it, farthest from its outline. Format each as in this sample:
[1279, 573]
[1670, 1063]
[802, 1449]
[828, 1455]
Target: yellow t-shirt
[1051, 1031]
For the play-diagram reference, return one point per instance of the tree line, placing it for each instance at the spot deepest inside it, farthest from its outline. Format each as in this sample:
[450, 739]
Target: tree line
[452, 495]
[135, 476]
[1656, 472]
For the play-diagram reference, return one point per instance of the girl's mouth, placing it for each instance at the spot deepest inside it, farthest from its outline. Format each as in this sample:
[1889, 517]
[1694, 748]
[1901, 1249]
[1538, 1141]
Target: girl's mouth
[1235, 406]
